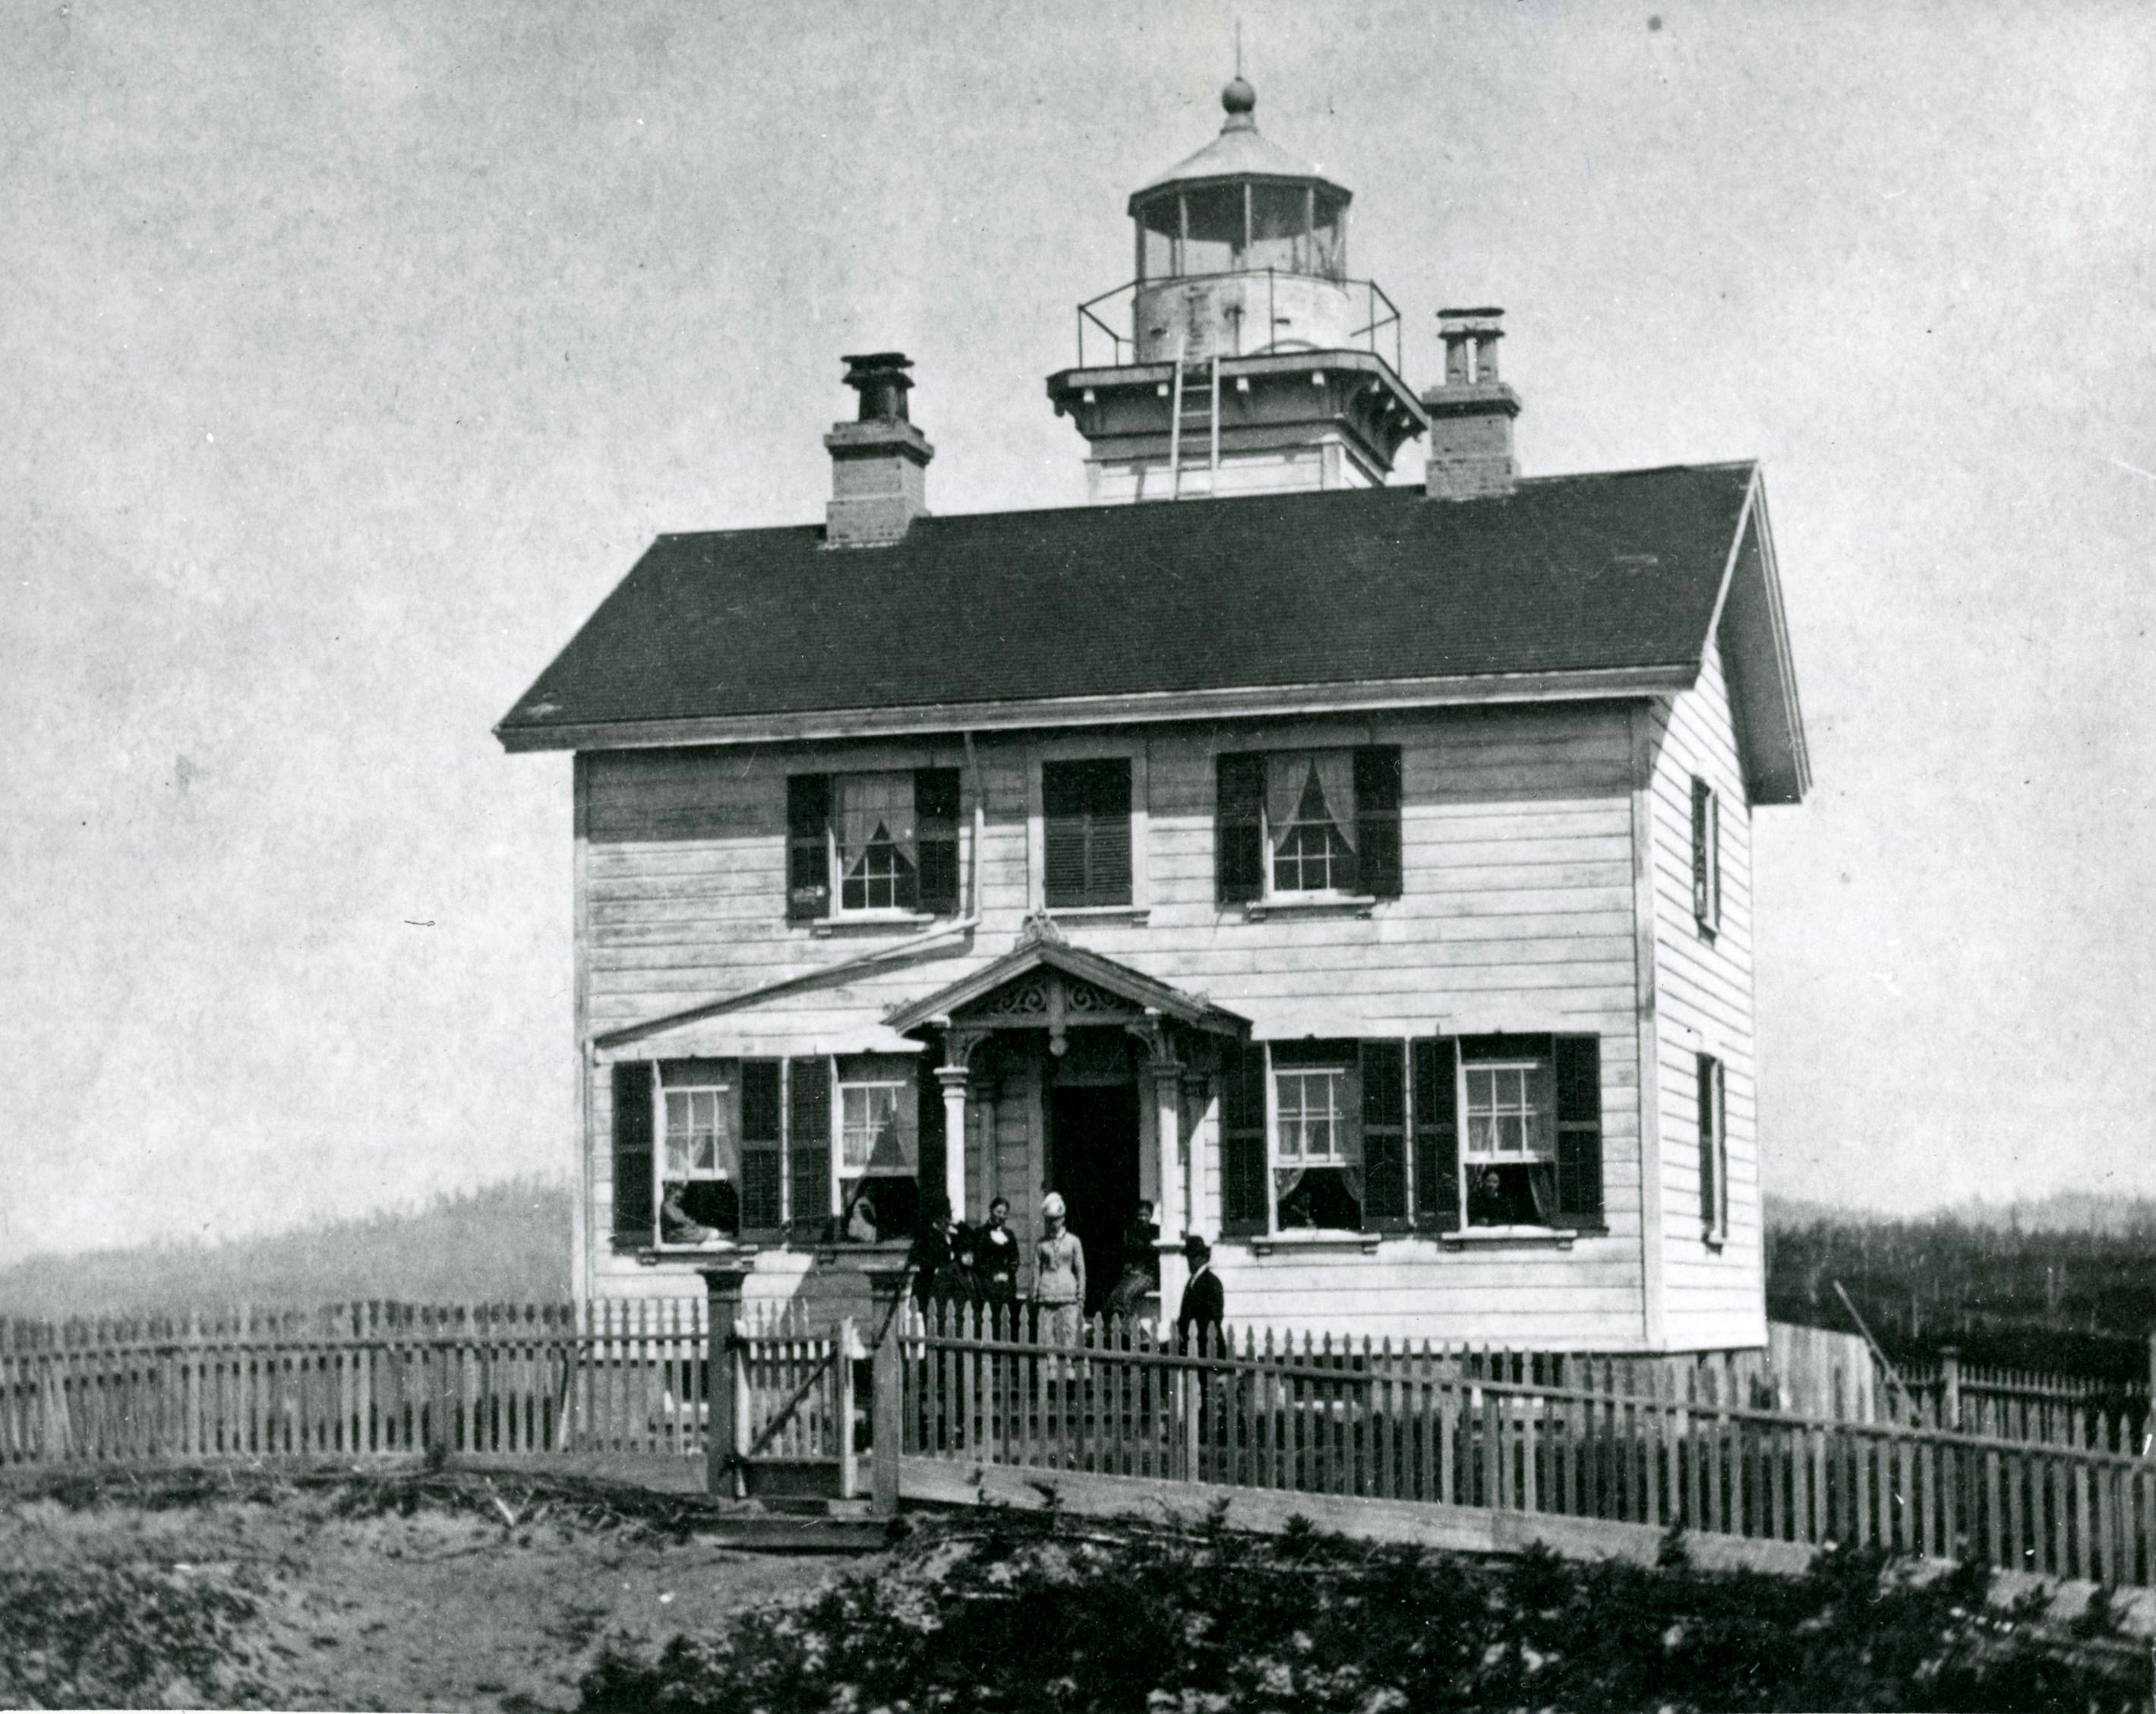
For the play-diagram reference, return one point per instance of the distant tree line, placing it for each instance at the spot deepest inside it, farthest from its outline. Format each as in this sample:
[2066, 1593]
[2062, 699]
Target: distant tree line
[2015, 1295]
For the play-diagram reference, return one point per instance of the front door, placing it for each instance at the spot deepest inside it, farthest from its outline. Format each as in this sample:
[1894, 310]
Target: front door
[1095, 1169]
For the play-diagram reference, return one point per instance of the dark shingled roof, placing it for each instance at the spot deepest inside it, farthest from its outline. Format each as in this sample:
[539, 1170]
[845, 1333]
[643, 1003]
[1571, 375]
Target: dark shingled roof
[1567, 574]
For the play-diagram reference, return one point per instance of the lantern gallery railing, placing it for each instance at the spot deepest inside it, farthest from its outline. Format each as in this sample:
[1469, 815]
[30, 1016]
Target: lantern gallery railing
[1381, 314]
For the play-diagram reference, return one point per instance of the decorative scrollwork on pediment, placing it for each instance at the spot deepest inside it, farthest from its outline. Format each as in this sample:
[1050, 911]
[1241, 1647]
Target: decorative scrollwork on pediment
[1083, 998]
[1021, 999]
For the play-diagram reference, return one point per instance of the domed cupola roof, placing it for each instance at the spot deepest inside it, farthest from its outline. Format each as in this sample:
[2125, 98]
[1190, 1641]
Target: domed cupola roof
[1239, 152]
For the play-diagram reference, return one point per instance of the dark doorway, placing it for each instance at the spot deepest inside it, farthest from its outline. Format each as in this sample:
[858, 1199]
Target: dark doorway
[1096, 1170]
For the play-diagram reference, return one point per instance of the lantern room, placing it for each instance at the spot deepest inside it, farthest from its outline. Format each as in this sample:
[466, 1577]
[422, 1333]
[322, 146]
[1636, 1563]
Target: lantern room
[1252, 362]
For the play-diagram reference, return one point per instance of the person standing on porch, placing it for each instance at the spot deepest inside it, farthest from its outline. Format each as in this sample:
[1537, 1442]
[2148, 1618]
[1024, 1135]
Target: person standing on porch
[1059, 1277]
[1204, 1304]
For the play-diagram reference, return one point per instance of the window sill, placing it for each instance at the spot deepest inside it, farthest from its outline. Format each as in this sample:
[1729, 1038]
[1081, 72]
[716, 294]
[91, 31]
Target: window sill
[1509, 1238]
[1134, 914]
[1319, 1243]
[653, 1255]
[1293, 904]
[869, 922]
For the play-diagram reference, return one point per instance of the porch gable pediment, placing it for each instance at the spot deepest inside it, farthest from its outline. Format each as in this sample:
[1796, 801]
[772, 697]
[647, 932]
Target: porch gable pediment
[1046, 981]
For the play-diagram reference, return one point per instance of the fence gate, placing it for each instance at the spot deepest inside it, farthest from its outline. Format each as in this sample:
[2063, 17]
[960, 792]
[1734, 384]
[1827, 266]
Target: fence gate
[795, 1433]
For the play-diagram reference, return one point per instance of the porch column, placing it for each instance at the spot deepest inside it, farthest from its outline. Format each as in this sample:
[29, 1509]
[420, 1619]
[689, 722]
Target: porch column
[1172, 1211]
[954, 1079]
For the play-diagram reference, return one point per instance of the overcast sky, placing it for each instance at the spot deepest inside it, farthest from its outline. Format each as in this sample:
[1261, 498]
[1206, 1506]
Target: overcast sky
[352, 352]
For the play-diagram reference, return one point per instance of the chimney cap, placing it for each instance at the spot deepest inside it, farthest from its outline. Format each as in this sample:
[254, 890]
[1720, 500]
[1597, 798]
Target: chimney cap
[881, 379]
[862, 364]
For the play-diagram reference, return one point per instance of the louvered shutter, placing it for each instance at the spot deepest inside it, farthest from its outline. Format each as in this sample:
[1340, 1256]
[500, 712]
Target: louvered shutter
[1579, 1130]
[1437, 1133]
[809, 1147]
[762, 1161]
[1239, 838]
[633, 1128]
[808, 849]
[1086, 833]
[1377, 819]
[936, 792]
[1705, 856]
[1243, 1211]
[1713, 1193]
[1385, 1137]
[934, 1139]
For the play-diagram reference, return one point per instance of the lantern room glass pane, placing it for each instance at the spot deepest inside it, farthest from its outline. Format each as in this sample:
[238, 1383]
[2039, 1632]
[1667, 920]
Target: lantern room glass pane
[1280, 227]
[1159, 223]
[1215, 240]
[1328, 238]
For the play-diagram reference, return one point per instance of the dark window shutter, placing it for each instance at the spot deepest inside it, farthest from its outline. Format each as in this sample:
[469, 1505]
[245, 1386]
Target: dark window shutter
[1385, 1137]
[936, 827]
[1085, 814]
[763, 1162]
[1242, 1141]
[633, 1210]
[1377, 819]
[808, 1153]
[1705, 856]
[1711, 1191]
[1437, 1133]
[808, 851]
[1239, 836]
[934, 1139]
[1579, 1130]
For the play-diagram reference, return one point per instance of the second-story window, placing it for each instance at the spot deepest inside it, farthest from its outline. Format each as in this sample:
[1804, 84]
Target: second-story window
[1308, 825]
[860, 843]
[876, 854]
[1086, 810]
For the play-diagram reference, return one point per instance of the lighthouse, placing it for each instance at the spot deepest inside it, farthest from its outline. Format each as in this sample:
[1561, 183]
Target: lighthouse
[1245, 357]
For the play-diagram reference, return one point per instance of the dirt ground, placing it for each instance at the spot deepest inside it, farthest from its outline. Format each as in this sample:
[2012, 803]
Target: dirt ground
[447, 1590]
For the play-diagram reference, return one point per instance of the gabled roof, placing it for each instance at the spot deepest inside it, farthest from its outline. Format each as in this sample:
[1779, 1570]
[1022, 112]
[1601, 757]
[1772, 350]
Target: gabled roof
[1039, 950]
[1571, 586]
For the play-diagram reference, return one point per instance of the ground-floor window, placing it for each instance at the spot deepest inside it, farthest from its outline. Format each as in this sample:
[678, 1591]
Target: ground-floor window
[1508, 1157]
[699, 1157]
[1317, 1164]
[1437, 1134]
[879, 1149]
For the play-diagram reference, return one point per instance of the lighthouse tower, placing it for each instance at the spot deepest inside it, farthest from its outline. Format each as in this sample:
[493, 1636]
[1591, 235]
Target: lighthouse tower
[1243, 358]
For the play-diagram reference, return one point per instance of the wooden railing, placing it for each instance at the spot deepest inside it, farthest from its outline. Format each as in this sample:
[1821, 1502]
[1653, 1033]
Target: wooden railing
[1655, 1444]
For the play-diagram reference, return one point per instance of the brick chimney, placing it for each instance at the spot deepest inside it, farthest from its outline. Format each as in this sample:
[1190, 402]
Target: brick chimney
[878, 462]
[1471, 416]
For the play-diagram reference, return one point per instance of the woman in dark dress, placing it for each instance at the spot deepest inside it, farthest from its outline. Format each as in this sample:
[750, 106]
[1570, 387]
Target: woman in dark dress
[995, 1261]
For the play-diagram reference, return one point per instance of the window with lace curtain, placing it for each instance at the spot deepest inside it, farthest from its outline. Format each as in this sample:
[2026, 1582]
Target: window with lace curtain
[1508, 1155]
[1317, 1155]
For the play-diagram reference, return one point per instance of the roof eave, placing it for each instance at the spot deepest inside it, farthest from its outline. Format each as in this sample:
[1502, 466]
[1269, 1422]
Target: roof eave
[1360, 695]
[1751, 627]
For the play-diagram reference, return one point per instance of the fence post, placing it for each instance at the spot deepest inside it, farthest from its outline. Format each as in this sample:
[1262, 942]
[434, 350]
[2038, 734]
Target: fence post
[887, 1402]
[722, 1473]
[1950, 1382]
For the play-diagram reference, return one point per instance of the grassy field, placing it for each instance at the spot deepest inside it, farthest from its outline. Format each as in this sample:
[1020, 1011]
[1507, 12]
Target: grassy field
[506, 1243]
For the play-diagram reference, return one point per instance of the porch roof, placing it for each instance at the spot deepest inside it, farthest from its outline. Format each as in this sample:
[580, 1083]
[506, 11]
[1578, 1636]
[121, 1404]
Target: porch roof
[1039, 950]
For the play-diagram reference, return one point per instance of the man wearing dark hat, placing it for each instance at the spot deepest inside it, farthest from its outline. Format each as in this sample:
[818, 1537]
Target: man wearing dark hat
[1205, 1305]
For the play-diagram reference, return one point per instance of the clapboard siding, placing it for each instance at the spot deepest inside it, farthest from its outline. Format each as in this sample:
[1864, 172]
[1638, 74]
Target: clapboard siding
[1518, 906]
[1712, 1295]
